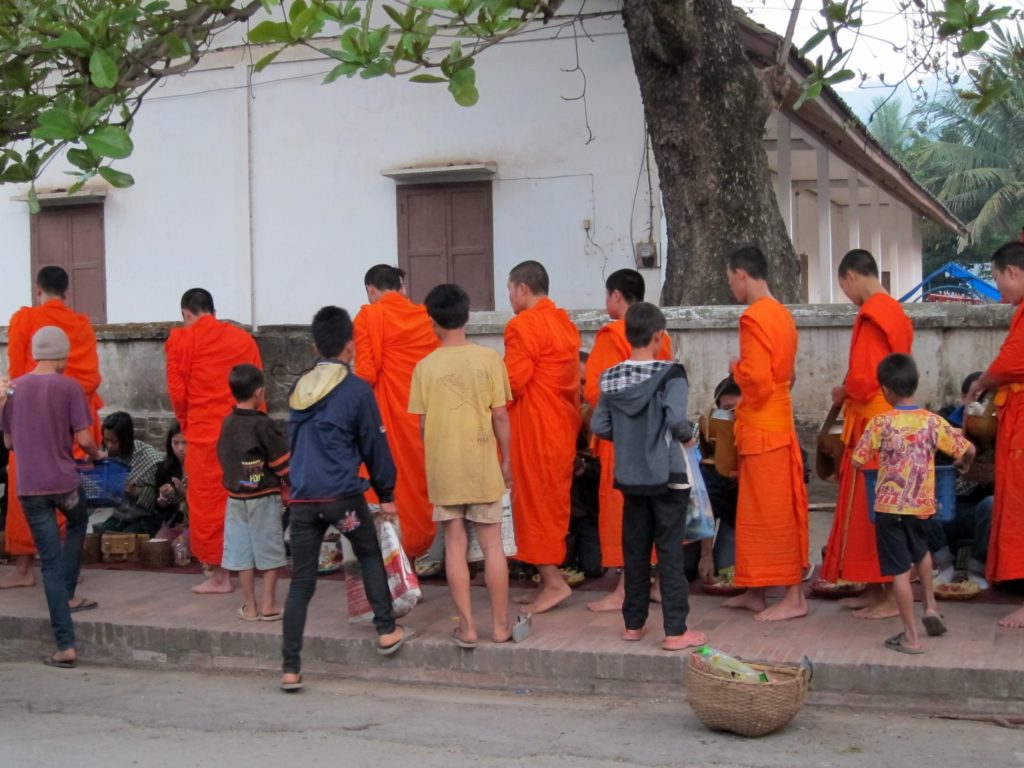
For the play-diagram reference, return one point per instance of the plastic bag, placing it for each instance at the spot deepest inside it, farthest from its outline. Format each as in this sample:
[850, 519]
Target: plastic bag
[700, 518]
[508, 533]
[402, 581]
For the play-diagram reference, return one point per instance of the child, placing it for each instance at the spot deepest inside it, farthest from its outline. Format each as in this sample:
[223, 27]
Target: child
[642, 410]
[44, 415]
[335, 427]
[253, 454]
[460, 391]
[905, 440]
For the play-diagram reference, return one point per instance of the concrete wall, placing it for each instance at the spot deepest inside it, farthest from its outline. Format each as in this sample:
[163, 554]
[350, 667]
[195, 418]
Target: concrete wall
[950, 342]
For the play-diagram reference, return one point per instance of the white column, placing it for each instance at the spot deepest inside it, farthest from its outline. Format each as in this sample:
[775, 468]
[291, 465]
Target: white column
[876, 230]
[784, 177]
[827, 293]
[893, 256]
[853, 182]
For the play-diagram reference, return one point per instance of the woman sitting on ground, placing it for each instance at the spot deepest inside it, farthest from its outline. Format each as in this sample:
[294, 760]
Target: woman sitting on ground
[171, 486]
[138, 513]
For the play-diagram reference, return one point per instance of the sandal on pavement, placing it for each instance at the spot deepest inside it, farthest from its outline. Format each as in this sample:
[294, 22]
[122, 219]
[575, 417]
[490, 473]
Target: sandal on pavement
[245, 617]
[85, 605]
[634, 635]
[292, 687]
[271, 616]
[466, 645]
[387, 650]
[53, 661]
[895, 643]
[933, 624]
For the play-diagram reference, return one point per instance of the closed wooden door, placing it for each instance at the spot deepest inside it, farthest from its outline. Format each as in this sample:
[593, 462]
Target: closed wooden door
[71, 236]
[446, 235]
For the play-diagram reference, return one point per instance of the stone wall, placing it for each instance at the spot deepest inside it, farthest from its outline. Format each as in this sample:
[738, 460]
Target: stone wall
[951, 341]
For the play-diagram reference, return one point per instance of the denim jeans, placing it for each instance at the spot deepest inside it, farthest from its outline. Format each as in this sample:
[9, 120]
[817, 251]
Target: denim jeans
[309, 523]
[970, 521]
[657, 520]
[60, 561]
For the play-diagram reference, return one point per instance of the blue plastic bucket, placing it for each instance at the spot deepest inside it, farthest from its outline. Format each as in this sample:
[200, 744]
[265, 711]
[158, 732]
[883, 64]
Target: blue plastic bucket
[945, 491]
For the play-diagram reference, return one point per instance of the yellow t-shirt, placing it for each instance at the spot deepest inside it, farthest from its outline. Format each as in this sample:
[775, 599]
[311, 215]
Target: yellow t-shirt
[456, 388]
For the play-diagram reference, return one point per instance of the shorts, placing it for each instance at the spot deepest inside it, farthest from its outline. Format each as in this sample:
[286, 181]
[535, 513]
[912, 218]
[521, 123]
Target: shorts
[253, 535]
[902, 540]
[490, 512]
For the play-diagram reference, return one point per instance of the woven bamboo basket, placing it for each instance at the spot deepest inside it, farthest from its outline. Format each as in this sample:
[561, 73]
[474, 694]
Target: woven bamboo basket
[749, 709]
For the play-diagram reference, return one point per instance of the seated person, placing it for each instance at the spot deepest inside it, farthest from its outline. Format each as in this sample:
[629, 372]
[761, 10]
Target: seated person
[583, 546]
[4, 454]
[171, 485]
[972, 517]
[138, 513]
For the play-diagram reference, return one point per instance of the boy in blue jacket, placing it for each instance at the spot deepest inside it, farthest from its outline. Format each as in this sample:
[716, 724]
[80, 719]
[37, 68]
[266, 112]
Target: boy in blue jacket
[335, 426]
[642, 410]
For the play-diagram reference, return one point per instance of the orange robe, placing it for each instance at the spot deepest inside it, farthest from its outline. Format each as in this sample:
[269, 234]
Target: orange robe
[610, 348]
[881, 328]
[771, 511]
[391, 337]
[542, 355]
[83, 367]
[199, 359]
[1006, 540]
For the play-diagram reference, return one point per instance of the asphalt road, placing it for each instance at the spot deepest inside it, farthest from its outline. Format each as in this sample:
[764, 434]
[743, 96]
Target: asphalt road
[96, 716]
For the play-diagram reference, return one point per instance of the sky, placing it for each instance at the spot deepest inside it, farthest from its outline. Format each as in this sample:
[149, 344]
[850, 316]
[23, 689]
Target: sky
[874, 50]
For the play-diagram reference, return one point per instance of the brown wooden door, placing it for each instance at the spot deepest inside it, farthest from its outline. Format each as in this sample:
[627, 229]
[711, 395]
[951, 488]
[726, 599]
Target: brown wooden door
[71, 236]
[446, 235]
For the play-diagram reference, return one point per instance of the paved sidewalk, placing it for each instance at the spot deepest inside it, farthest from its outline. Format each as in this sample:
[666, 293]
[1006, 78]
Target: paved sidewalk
[153, 619]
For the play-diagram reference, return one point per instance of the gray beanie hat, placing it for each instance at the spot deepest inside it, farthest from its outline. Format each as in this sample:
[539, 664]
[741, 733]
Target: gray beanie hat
[50, 343]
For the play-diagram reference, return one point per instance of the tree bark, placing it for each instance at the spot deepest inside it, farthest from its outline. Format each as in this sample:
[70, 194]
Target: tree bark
[706, 110]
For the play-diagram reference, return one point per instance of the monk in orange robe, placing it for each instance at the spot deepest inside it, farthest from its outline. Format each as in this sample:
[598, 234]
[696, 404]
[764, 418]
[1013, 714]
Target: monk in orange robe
[392, 334]
[771, 511]
[542, 348]
[1006, 375]
[880, 329]
[199, 358]
[623, 288]
[83, 366]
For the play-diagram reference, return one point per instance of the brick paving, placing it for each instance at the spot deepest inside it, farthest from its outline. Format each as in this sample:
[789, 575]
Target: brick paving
[153, 619]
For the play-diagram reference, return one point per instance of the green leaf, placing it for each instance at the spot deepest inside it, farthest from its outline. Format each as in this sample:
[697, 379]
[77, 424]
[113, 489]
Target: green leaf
[841, 76]
[427, 79]
[812, 90]
[117, 179]
[376, 69]
[102, 69]
[434, 5]
[813, 42]
[110, 141]
[396, 17]
[83, 158]
[56, 123]
[177, 47]
[70, 39]
[462, 87]
[265, 61]
[269, 32]
[298, 6]
[973, 41]
[345, 68]
[376, 39]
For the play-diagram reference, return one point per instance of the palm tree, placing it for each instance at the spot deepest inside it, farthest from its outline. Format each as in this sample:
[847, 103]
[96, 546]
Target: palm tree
[976, 166]
[890, 127]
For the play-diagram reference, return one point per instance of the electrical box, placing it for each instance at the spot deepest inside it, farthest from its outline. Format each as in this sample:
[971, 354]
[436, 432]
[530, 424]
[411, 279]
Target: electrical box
[646, 256]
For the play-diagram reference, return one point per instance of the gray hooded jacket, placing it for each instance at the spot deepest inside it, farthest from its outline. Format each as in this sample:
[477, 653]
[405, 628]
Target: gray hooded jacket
[642, 410]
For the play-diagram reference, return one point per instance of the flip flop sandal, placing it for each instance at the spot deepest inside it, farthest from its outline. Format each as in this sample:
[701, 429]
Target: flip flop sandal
[244, 617]
[271, 616]
[387, 650]
[895, 643]
[934, 625]
[466, 645]
[634, 635]
[50, 661]
[292, 687]
[85, 605]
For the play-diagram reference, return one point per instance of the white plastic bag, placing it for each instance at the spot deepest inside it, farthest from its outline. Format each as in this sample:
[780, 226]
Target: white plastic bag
[508, 533]
[402, 580]
[700, 518]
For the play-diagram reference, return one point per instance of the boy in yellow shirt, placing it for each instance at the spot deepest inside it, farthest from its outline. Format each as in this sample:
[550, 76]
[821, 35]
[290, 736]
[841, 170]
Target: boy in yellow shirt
[461, 392]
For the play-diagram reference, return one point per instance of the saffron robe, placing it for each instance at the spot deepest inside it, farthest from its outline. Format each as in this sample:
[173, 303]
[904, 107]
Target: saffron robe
[771, 510]
[199, 359]
[610, 348]
[83, 366]
[391, 337]
[880, 329]
[542, 349]
[1006, 540]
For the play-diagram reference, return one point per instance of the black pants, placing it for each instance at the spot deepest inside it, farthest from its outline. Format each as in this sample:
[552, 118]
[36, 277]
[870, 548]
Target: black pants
[309, 523]
[658, 521]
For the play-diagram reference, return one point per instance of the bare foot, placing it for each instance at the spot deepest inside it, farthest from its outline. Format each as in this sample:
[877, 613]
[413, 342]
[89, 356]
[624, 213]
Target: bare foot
[751, 600]
[633, 635]
[501, 634]
[856, 603]
[783, 611]
[689, 639]
[17, 579]
[270, 610]
[885, 608]
[1014, 620]
[214, 585]
[610, 602]
[68, 654]
[550, 596]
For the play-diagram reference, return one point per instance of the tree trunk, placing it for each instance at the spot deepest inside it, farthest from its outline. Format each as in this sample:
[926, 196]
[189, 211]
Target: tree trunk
[706, 110]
